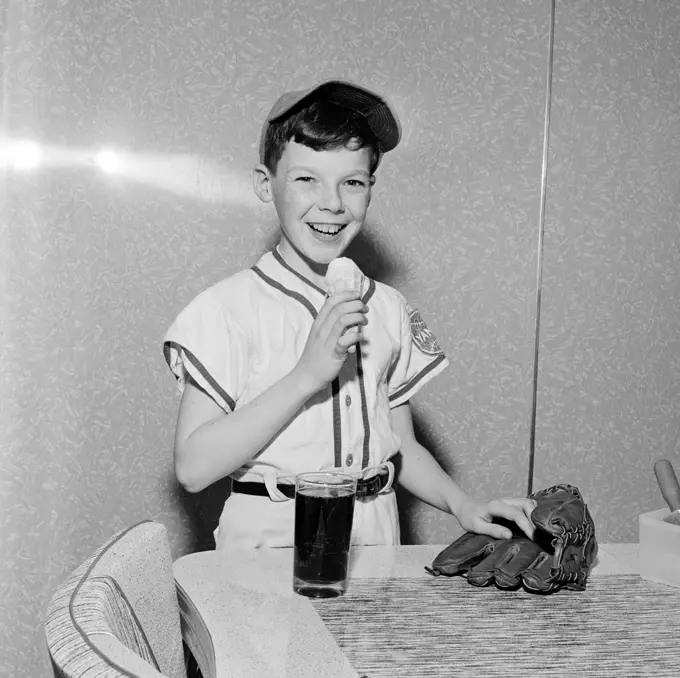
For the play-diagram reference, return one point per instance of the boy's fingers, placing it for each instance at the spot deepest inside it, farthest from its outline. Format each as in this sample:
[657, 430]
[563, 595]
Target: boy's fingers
[527, 505]
[345, 316]
[341, 297]
[350, 319]
[340, 320]
[336, 308]
[348, 341]
[493, 530]
[517, 515]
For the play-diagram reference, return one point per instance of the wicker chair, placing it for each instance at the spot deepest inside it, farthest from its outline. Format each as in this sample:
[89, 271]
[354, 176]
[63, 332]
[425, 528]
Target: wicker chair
[117, 614]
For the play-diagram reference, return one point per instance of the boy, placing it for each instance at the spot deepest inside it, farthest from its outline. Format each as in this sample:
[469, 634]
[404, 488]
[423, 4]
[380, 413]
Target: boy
[279, 378]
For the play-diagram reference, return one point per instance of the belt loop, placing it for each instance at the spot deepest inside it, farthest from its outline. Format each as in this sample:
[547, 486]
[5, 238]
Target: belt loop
[270, 483]
[390, 479]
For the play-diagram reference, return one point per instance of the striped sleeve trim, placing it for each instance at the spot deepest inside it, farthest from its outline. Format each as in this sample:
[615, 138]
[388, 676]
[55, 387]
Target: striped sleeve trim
[428, 372]
[172, 350]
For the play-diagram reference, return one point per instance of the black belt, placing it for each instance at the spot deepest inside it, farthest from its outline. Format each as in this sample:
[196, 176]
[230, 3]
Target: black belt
[365, 488]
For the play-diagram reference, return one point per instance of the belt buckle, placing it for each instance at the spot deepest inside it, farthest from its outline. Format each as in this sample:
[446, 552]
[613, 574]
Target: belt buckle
[369, 486]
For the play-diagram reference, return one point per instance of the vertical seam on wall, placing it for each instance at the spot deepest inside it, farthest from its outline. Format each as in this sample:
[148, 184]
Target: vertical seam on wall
[539, 256]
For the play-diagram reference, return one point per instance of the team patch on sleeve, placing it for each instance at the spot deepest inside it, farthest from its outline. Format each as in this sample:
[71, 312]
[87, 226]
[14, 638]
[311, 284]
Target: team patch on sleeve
[422, 336]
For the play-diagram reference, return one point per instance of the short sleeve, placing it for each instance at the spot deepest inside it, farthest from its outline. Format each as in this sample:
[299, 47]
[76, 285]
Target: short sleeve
[420, 357]
[206, 343]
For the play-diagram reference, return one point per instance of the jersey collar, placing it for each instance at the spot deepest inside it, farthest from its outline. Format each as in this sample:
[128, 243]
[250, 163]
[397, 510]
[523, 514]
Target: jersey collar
[282, 262]
[274, 270]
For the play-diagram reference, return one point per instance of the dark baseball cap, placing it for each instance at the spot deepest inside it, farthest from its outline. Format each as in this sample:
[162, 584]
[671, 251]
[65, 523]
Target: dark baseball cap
[378, 112]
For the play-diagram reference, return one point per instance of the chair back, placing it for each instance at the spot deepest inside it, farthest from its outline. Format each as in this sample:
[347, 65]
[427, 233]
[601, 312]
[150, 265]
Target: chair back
[117, 614]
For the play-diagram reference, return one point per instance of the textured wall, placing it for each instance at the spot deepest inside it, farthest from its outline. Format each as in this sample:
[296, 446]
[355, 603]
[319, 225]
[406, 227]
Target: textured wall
[101, 248]
[609, 375]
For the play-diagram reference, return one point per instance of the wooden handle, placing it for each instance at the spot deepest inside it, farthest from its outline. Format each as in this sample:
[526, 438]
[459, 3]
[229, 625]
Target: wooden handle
[668, 483]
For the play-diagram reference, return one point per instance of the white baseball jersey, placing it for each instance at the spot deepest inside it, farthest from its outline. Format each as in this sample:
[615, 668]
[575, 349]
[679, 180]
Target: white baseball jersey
[240, 336]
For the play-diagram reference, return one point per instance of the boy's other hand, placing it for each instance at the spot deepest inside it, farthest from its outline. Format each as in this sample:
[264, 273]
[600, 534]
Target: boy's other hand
[477, 516]
[335, 330]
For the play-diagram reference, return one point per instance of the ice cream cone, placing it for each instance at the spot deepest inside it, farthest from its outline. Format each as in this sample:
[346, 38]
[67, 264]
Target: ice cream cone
[343, 275]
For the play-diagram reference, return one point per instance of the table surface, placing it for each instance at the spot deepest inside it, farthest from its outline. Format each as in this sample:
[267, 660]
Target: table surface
[241, 618]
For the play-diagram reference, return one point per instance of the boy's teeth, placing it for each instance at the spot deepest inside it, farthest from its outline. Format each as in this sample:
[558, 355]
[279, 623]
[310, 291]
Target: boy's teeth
[326, 228]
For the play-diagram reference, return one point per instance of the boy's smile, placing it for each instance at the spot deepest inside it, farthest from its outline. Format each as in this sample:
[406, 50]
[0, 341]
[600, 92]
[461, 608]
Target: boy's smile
[329, 230]
[321, 199]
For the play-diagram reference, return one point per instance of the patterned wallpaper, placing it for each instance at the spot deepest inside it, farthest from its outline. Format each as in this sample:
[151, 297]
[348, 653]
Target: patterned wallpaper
[609, 370]
[129, 130]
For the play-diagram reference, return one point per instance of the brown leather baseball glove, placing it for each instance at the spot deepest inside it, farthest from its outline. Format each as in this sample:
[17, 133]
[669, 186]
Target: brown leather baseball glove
[561, 554]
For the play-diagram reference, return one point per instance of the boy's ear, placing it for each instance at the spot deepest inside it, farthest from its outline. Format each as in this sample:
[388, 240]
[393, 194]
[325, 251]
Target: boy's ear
[262, 183]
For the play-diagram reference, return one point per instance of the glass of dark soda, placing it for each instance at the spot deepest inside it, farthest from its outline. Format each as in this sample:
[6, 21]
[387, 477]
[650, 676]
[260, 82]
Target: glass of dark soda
[324, 510]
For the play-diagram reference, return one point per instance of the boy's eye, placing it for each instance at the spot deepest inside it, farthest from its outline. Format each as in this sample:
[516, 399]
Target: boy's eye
[352, 183]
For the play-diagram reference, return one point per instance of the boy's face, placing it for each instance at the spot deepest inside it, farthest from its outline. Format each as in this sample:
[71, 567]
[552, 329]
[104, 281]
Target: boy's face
[321, 198]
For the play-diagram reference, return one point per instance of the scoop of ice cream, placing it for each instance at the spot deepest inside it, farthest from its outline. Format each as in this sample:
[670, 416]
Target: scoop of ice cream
[343, 274]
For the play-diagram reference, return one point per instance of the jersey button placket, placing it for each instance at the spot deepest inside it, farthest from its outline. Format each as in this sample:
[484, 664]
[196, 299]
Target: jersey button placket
[349, 459]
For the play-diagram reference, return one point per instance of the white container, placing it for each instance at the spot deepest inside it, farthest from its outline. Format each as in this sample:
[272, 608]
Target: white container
[659, 548]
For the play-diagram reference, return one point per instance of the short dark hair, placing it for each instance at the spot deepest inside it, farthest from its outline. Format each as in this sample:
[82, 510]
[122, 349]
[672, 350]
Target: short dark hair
[321, 126]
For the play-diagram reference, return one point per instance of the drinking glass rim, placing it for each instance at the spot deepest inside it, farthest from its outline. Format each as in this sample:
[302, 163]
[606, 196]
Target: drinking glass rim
[345, 478]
